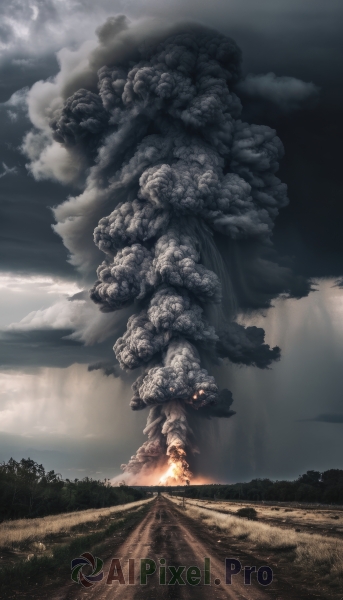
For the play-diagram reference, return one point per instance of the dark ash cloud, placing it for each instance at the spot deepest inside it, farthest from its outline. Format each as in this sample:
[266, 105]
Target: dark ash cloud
[220, 409]
[159, 126]
[246, 345]
[308, 230]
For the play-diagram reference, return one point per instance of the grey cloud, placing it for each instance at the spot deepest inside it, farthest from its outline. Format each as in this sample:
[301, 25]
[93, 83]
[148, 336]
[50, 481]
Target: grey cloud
[246, 345]
[181, 171]
[130, 276]
[83, 295]
[170, 314]
[62, 334]
[17, 100]
[256, 152]
[311, 168]
[177, 263]
[220, 409]
[327, 418]
[130, 222]
[28, 243]
[286, 93]
[6, 33]
[257, 275]
[38, 348]
[181, 377]
[82, 121]
[149, 454]
[88, 325]
[140, 342]
[177, 312]
[107, 368]
[16, 105]
[7, 170]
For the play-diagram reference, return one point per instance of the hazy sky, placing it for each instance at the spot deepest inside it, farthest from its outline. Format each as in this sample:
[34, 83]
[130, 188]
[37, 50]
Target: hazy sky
[52, 408]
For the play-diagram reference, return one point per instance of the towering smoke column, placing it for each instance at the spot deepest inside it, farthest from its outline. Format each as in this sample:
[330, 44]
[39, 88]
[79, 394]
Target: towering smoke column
[183, 173]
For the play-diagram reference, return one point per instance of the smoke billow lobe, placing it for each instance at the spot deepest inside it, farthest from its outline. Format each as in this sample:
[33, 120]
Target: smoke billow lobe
[181, 170]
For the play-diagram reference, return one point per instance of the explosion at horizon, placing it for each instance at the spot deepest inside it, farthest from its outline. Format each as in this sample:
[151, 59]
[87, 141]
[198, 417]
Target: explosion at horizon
[192, 195]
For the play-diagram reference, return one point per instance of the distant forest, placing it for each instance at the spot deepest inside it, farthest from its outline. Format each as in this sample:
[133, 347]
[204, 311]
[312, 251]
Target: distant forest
[27, 491]
[326, 487]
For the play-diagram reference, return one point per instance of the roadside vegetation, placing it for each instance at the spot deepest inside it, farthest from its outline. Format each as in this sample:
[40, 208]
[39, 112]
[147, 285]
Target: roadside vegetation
[247, 513]
[318, 519]
[28, 491]
[313, 486]
[35, 548]
[22, 532]
[314, 553]
[50, 562]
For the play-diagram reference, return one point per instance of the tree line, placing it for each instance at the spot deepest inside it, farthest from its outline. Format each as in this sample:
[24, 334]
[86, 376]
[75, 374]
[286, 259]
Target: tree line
[27, 490]
[313, 486]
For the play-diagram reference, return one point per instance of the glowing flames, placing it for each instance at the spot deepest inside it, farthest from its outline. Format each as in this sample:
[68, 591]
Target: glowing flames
[171, 473]
[197, 394]
[178, 471]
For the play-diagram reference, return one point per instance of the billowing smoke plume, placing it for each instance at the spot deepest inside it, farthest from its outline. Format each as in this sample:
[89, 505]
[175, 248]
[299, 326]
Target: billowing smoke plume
[194, 194]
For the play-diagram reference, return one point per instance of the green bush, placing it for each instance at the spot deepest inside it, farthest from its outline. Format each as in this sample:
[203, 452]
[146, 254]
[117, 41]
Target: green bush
[313, 486]
[247, 513]
[28, 491]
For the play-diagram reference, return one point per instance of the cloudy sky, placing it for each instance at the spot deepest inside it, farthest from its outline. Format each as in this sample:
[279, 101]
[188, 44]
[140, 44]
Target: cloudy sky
[56, 406]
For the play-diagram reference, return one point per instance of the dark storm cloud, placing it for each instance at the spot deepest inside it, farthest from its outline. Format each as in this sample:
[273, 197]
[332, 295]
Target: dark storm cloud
[18, 70]
[107, 369]
[301, 40]
[28, 244]
[313, 31]
[327, 418]
[176, 144]
[82, 120]
[31, 33]
[259, 273]
[169, 314]
[47, 348]
[286, 93]
[6, 33]
[246, 345]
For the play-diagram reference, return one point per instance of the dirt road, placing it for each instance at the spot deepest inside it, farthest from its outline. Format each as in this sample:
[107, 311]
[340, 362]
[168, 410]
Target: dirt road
[167, 533]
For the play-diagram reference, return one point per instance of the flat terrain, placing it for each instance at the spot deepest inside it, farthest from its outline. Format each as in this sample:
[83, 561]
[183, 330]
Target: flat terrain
[21, 538]
[326, 521]
[167, 532]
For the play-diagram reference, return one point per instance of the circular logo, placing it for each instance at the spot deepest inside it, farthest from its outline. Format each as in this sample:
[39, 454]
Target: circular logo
[87, 559]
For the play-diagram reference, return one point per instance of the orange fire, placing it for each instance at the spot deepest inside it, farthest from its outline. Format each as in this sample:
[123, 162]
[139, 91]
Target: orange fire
[171, 473]
[178, 471]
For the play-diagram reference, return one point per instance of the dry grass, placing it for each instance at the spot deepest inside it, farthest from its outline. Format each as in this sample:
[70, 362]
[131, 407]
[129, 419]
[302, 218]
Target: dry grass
[25, 531]
[325, 518]
[312, 552]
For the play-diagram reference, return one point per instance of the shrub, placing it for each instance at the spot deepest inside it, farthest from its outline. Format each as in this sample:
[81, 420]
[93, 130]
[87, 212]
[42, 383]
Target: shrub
[247, 513]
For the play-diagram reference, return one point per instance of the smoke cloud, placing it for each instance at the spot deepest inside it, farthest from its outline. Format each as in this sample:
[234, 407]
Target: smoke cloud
[191, 194]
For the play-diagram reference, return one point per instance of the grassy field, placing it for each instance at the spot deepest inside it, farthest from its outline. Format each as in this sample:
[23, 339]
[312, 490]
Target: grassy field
[49, 566]
[23, 532]
[330, 519]
[314, 553]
